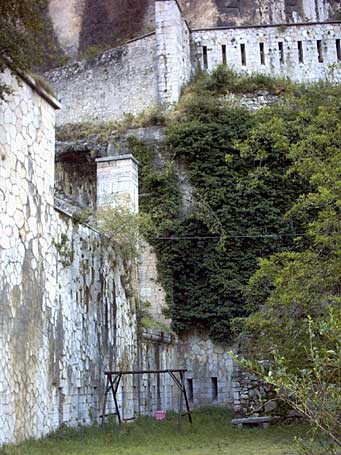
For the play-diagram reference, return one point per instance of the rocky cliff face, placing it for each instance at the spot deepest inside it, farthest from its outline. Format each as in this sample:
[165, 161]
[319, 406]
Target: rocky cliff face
[208, 13]
[86, 26]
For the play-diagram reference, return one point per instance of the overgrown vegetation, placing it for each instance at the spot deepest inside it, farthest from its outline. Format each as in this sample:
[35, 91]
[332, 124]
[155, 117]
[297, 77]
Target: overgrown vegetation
[241, 169]
[25, 33]
[210, 433]
[207, 256]
[118, 222]
[106, 132]
[299, 293]
[258, 252]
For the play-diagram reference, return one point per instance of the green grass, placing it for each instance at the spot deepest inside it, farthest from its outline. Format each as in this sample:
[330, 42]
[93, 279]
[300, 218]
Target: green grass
[211, 434]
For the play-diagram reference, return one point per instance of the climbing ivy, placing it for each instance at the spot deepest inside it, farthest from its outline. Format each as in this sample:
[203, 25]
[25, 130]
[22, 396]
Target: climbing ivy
[237, 163]
[239, 166]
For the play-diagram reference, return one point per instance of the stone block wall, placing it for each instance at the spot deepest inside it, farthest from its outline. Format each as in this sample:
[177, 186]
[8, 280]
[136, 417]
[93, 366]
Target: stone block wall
[210, 370]
[151, 291]
[157, 391]
[173, 50]
[122, 80]
[26, 258]
[301, 52]
[153, 70]
[93, 324]
[67, 306]
[117, 182]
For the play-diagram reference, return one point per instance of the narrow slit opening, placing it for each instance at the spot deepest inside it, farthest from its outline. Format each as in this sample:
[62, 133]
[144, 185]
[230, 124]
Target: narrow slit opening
[281, 52]
[224, 55]
[214, 384]
[204, 55]
[262, 53]
[319, 51]
[338, 50]
[243, 54]
[190, 389]
[300, 52]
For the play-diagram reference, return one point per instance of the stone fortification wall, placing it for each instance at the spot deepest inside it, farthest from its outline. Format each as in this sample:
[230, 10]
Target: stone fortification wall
[76, 178]
[153, 70]
[173, 50]
[151, 291]
[26, 195]
[67, 310]
[305, 52]
[122, 80]
[81, 23]
[157, 351]
[210, 370]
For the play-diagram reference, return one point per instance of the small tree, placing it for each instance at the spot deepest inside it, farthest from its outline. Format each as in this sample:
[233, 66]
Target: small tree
[124, 227]
[313, 391]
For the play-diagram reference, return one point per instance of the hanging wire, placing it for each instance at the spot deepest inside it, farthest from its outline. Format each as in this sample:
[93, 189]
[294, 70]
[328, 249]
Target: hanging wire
[174, 238]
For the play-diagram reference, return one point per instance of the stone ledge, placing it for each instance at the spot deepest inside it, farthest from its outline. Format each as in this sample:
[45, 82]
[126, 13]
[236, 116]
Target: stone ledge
[158, 335]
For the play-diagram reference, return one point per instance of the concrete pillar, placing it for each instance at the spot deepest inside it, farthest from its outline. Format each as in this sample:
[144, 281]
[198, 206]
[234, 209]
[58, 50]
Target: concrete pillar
[117, 182]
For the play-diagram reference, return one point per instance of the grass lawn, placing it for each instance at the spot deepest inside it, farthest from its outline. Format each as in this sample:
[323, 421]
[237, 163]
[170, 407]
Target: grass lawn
[211, 434]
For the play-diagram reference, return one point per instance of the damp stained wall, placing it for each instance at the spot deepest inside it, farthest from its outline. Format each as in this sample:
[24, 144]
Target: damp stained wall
[67, 310]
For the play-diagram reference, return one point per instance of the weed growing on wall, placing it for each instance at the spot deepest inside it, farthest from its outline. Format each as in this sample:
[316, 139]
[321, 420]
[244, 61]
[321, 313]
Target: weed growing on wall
[64, 249]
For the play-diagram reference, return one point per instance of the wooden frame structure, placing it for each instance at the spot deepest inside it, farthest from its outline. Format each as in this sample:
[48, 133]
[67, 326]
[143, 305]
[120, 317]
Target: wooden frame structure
[113, 382]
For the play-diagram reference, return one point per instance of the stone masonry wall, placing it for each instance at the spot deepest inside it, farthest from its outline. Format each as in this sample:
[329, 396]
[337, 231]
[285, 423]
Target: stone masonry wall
[173, 50]
[67, 310]
[26, 208]
[153, 70]
[320, 58]
[157, 391]
[122, 80]
[210, 370]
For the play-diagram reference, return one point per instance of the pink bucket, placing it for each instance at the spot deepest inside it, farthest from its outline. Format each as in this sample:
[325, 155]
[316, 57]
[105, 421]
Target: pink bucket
[160, 415]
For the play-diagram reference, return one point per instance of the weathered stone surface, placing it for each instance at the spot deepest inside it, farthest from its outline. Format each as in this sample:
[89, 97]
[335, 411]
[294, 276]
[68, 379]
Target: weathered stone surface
[122, 80]
[153, 70]
[82, 23]
[309, 69]
[66, 311]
